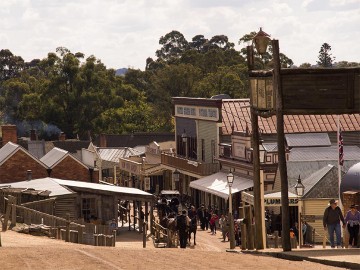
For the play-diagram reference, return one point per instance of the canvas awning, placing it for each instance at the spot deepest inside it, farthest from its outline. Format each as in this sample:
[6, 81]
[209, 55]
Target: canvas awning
[217, 184]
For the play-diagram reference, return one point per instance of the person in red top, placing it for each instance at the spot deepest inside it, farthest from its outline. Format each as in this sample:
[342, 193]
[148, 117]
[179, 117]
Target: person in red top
[212, 222]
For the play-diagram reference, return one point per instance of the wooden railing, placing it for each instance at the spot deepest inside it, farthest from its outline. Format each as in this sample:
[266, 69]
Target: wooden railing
[199, 168]
[59, 228]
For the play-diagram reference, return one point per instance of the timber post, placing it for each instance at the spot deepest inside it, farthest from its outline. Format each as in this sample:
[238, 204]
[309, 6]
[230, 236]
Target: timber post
[276, 239]
[80, 234]
[13, 211]
[152, 218]
[144, 233]
[67, 232]
[249, 233]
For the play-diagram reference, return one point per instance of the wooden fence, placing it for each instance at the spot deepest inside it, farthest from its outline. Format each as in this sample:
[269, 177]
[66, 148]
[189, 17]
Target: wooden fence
[59, 228]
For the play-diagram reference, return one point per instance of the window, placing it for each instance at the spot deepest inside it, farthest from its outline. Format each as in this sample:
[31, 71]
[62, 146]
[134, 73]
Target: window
[88, 208]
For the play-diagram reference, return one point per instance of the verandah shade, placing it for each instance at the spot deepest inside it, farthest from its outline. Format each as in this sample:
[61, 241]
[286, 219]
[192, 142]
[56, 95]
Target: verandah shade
[217, 184]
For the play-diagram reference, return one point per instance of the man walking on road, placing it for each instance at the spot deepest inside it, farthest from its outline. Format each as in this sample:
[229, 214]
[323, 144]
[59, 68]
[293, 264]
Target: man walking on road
[331, 221]
[182, 223]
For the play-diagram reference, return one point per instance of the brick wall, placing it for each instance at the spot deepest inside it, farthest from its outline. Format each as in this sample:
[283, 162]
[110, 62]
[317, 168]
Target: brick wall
[70, 169]
[9, 134]
[15, 168]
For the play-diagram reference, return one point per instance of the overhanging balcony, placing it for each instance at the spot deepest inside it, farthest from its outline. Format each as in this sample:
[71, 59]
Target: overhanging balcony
[194, 167]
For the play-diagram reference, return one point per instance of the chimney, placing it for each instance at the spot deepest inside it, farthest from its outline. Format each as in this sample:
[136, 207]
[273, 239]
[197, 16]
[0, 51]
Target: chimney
[29, 175]
[102, 140]
[9, 134]
[62, 136]
[33, 135]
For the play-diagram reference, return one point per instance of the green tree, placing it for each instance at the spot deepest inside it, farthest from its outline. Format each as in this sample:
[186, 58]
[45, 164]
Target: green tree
[325, 57]
[173, 45]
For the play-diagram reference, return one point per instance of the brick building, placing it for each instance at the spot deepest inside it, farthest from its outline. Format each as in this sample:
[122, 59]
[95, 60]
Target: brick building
[15, 161]
[64, 165]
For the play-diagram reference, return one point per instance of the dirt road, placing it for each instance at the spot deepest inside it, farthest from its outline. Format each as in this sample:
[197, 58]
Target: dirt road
[20, 251]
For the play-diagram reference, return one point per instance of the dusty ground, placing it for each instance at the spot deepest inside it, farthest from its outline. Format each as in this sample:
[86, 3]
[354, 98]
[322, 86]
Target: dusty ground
[20, 251]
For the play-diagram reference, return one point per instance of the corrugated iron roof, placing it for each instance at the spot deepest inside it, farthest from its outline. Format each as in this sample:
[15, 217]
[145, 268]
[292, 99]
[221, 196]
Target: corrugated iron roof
[236, 113]
[53, 156]
[47, 183]
[323, 153]
[113, 154]
[111, 188]
[7, 150]
[270, 147]
[315, 177]
[307, 139]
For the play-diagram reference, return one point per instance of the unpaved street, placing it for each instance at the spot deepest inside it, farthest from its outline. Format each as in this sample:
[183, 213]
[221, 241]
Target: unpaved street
[22, 251]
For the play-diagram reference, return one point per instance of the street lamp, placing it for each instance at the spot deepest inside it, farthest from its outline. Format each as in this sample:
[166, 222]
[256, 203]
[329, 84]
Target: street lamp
[230, 180]
[184, 138]
[299, 190]
[266, 98]
[176, 176]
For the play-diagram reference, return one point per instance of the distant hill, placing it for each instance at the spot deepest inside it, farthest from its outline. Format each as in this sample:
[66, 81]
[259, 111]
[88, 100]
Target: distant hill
[121, 71]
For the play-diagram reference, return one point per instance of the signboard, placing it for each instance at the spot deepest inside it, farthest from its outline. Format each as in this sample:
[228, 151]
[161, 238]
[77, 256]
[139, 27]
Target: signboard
[262, 93]
[248, 198]
[321, 91]
[130, 166]
[147, 183]
[239, 150]
[277, 201]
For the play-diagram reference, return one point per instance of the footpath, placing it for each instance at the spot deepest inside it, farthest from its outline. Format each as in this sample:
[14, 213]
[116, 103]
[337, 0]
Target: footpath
[344, 258]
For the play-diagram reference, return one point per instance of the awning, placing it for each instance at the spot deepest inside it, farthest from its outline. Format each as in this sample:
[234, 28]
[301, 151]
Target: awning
[217, 184]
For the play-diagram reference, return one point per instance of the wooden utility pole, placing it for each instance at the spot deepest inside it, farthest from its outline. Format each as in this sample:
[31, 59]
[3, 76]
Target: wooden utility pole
[285, 235]
[258, 200]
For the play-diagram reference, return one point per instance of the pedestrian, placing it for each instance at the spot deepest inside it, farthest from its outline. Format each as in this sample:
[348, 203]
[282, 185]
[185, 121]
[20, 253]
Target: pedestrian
[212, 222]
[225, 228]
[331, 222]
[202, 216]
[304, 230]
[182, 224]
[352, 220]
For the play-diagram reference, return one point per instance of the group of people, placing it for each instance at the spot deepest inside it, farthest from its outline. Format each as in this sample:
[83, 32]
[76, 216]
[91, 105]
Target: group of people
[331, 221]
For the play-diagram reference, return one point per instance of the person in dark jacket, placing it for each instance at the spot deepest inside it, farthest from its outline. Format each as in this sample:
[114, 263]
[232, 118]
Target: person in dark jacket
[182, 224]
[331, 222]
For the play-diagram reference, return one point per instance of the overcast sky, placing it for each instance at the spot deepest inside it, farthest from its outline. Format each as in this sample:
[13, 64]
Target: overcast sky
[123, 33]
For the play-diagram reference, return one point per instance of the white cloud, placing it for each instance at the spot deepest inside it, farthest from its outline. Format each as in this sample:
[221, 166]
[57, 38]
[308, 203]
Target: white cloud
[125, 32]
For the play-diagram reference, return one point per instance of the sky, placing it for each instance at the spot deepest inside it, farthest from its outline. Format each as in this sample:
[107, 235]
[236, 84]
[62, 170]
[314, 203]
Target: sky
[124, 33]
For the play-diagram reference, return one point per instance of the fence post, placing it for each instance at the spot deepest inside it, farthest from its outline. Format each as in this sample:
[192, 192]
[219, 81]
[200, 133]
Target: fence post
[144, 234]
[67, 233]
[114, 242]
[324, 239]
[80, 234]
[13, 212]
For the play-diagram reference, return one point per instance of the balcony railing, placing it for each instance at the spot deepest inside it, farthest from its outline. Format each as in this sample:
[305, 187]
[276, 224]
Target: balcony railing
[181, 163]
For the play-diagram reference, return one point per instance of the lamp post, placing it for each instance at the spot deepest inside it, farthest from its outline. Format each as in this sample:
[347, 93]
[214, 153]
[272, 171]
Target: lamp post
[266, 94]
[184, 138]
[299, 189]
[230, 180]
[176, 176]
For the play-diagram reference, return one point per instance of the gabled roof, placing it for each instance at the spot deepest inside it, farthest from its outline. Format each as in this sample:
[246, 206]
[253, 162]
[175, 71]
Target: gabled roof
[307, 139]
[314, 178]
[56, 155]
[113, 154]
[236, 113]
[11, 148]
[7, 150]
[41, 184]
